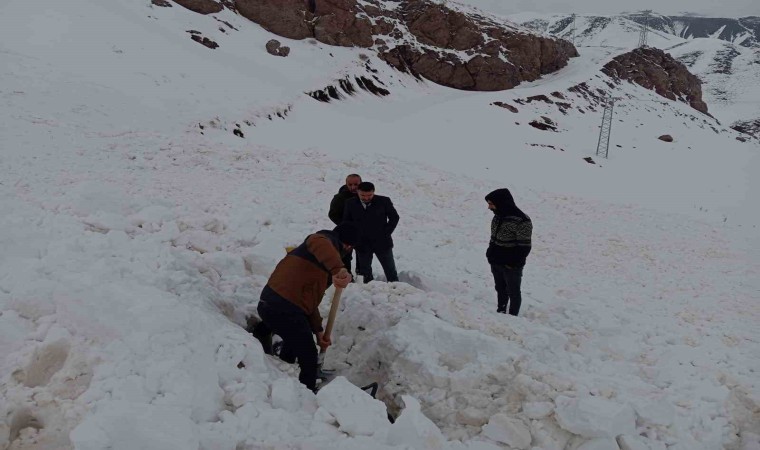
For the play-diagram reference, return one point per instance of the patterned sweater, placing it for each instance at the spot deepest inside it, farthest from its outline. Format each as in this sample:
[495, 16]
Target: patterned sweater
[510, 241]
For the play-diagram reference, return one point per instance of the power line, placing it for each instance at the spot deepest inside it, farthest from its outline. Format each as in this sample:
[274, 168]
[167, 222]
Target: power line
[573, 28]
[644, 29]
[603, 145]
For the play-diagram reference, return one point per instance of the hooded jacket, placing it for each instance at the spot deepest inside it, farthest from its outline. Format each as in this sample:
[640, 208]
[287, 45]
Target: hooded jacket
[338, 204]
[511, 231]
[303, 276]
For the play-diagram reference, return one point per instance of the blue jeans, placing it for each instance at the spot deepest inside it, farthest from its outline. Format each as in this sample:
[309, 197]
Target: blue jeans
[364, 264]
[507, 281]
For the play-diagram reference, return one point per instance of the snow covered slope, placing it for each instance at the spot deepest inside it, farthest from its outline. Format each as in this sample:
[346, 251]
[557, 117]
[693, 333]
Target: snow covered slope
[729, 72]
[731, 76]
[591, 30]
[743, 31]
[149, 185]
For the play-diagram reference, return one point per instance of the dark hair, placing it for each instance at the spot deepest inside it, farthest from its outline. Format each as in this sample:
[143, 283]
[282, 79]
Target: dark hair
[366, 186]
[352, 175]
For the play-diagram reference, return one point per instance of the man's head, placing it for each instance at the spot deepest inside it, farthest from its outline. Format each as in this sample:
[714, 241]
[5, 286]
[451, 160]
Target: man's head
[348, 234]
[352, 182]
[502, 203]
[366, 191]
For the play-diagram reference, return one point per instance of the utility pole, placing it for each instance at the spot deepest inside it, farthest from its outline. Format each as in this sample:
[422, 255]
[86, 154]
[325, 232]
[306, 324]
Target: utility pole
[644, 29]
[603, 146]
[573, 28]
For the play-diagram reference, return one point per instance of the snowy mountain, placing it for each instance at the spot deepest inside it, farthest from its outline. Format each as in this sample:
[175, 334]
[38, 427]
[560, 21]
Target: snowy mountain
[744, 31]
[150, 181]
[729, 71]
[731, 78]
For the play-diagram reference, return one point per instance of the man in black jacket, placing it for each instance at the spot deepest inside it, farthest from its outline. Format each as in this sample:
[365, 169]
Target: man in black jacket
[510, 244]
[376, 219]
[337, 206]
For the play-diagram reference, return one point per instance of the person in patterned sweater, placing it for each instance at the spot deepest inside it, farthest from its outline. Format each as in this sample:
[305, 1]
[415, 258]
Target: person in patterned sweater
[510, 244]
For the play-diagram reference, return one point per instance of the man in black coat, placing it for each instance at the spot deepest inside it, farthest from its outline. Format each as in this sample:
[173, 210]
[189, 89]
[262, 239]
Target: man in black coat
[510, 244]
[337, 206]
[376, 219]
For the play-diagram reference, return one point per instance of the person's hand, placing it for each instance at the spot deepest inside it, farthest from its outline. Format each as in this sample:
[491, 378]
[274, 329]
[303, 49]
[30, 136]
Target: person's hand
[342, 278]
[323, 341]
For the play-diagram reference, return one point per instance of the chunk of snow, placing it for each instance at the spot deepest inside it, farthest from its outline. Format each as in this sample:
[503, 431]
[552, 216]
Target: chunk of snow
[595, 417]
[357, 413]
[508, 430]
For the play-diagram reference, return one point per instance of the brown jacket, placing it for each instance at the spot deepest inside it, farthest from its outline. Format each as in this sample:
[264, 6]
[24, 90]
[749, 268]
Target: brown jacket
[303, 276]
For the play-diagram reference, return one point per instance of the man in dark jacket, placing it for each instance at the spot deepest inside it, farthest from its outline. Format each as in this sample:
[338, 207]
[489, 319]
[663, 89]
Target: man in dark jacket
[376, 218]
[510, 244]
[337, 206]
[289, 304]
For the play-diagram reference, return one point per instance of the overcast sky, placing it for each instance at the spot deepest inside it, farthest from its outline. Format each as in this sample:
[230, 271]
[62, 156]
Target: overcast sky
[713, 8]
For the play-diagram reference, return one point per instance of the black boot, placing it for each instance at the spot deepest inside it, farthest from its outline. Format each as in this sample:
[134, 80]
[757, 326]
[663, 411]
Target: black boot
[264, 335]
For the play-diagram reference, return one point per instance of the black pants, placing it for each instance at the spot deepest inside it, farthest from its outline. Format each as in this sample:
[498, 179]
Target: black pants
[347, 258]
[288, 321]
[507, 281]
[364, 264]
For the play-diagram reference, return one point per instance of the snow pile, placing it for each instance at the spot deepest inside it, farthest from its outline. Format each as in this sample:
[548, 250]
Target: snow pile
[136, 242]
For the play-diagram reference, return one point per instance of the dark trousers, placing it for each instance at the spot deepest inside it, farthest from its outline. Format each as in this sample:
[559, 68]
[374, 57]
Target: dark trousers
[347, 258]
[507, 281]
[288, 321]
[364, 264]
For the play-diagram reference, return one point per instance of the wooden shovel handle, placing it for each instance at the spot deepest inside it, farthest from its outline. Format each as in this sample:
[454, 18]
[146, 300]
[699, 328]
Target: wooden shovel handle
[333, 311]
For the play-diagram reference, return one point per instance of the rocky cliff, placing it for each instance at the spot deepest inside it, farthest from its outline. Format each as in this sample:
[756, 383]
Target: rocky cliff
[453, 48]
[654, 69]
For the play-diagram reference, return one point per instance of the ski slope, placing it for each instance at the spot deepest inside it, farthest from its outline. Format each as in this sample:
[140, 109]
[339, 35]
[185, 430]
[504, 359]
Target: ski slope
[138, 231]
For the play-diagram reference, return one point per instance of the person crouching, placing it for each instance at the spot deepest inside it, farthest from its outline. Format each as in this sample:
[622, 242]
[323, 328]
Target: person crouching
[289, 304]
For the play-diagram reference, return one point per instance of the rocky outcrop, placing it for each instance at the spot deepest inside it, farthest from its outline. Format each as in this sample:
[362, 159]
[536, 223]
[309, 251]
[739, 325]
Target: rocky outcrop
[346, 85]
[287, 18]
[500, 56]
[426, 39]
[199, 38]
[506, 106]
[654, 69]
[666, 138]
[275, 48]
[201, 6]
[750, 127]
[545, 124]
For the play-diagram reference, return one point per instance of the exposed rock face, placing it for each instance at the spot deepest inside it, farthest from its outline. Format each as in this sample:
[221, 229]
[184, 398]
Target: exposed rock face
[199, 38]
[654, 69]
[751, 127]
[666, 138]
[346, 85]
[275, 48]
[426, 39]
[506, 106]
[288, 18]
[204, 41]
[201, 6]
[545, 124]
